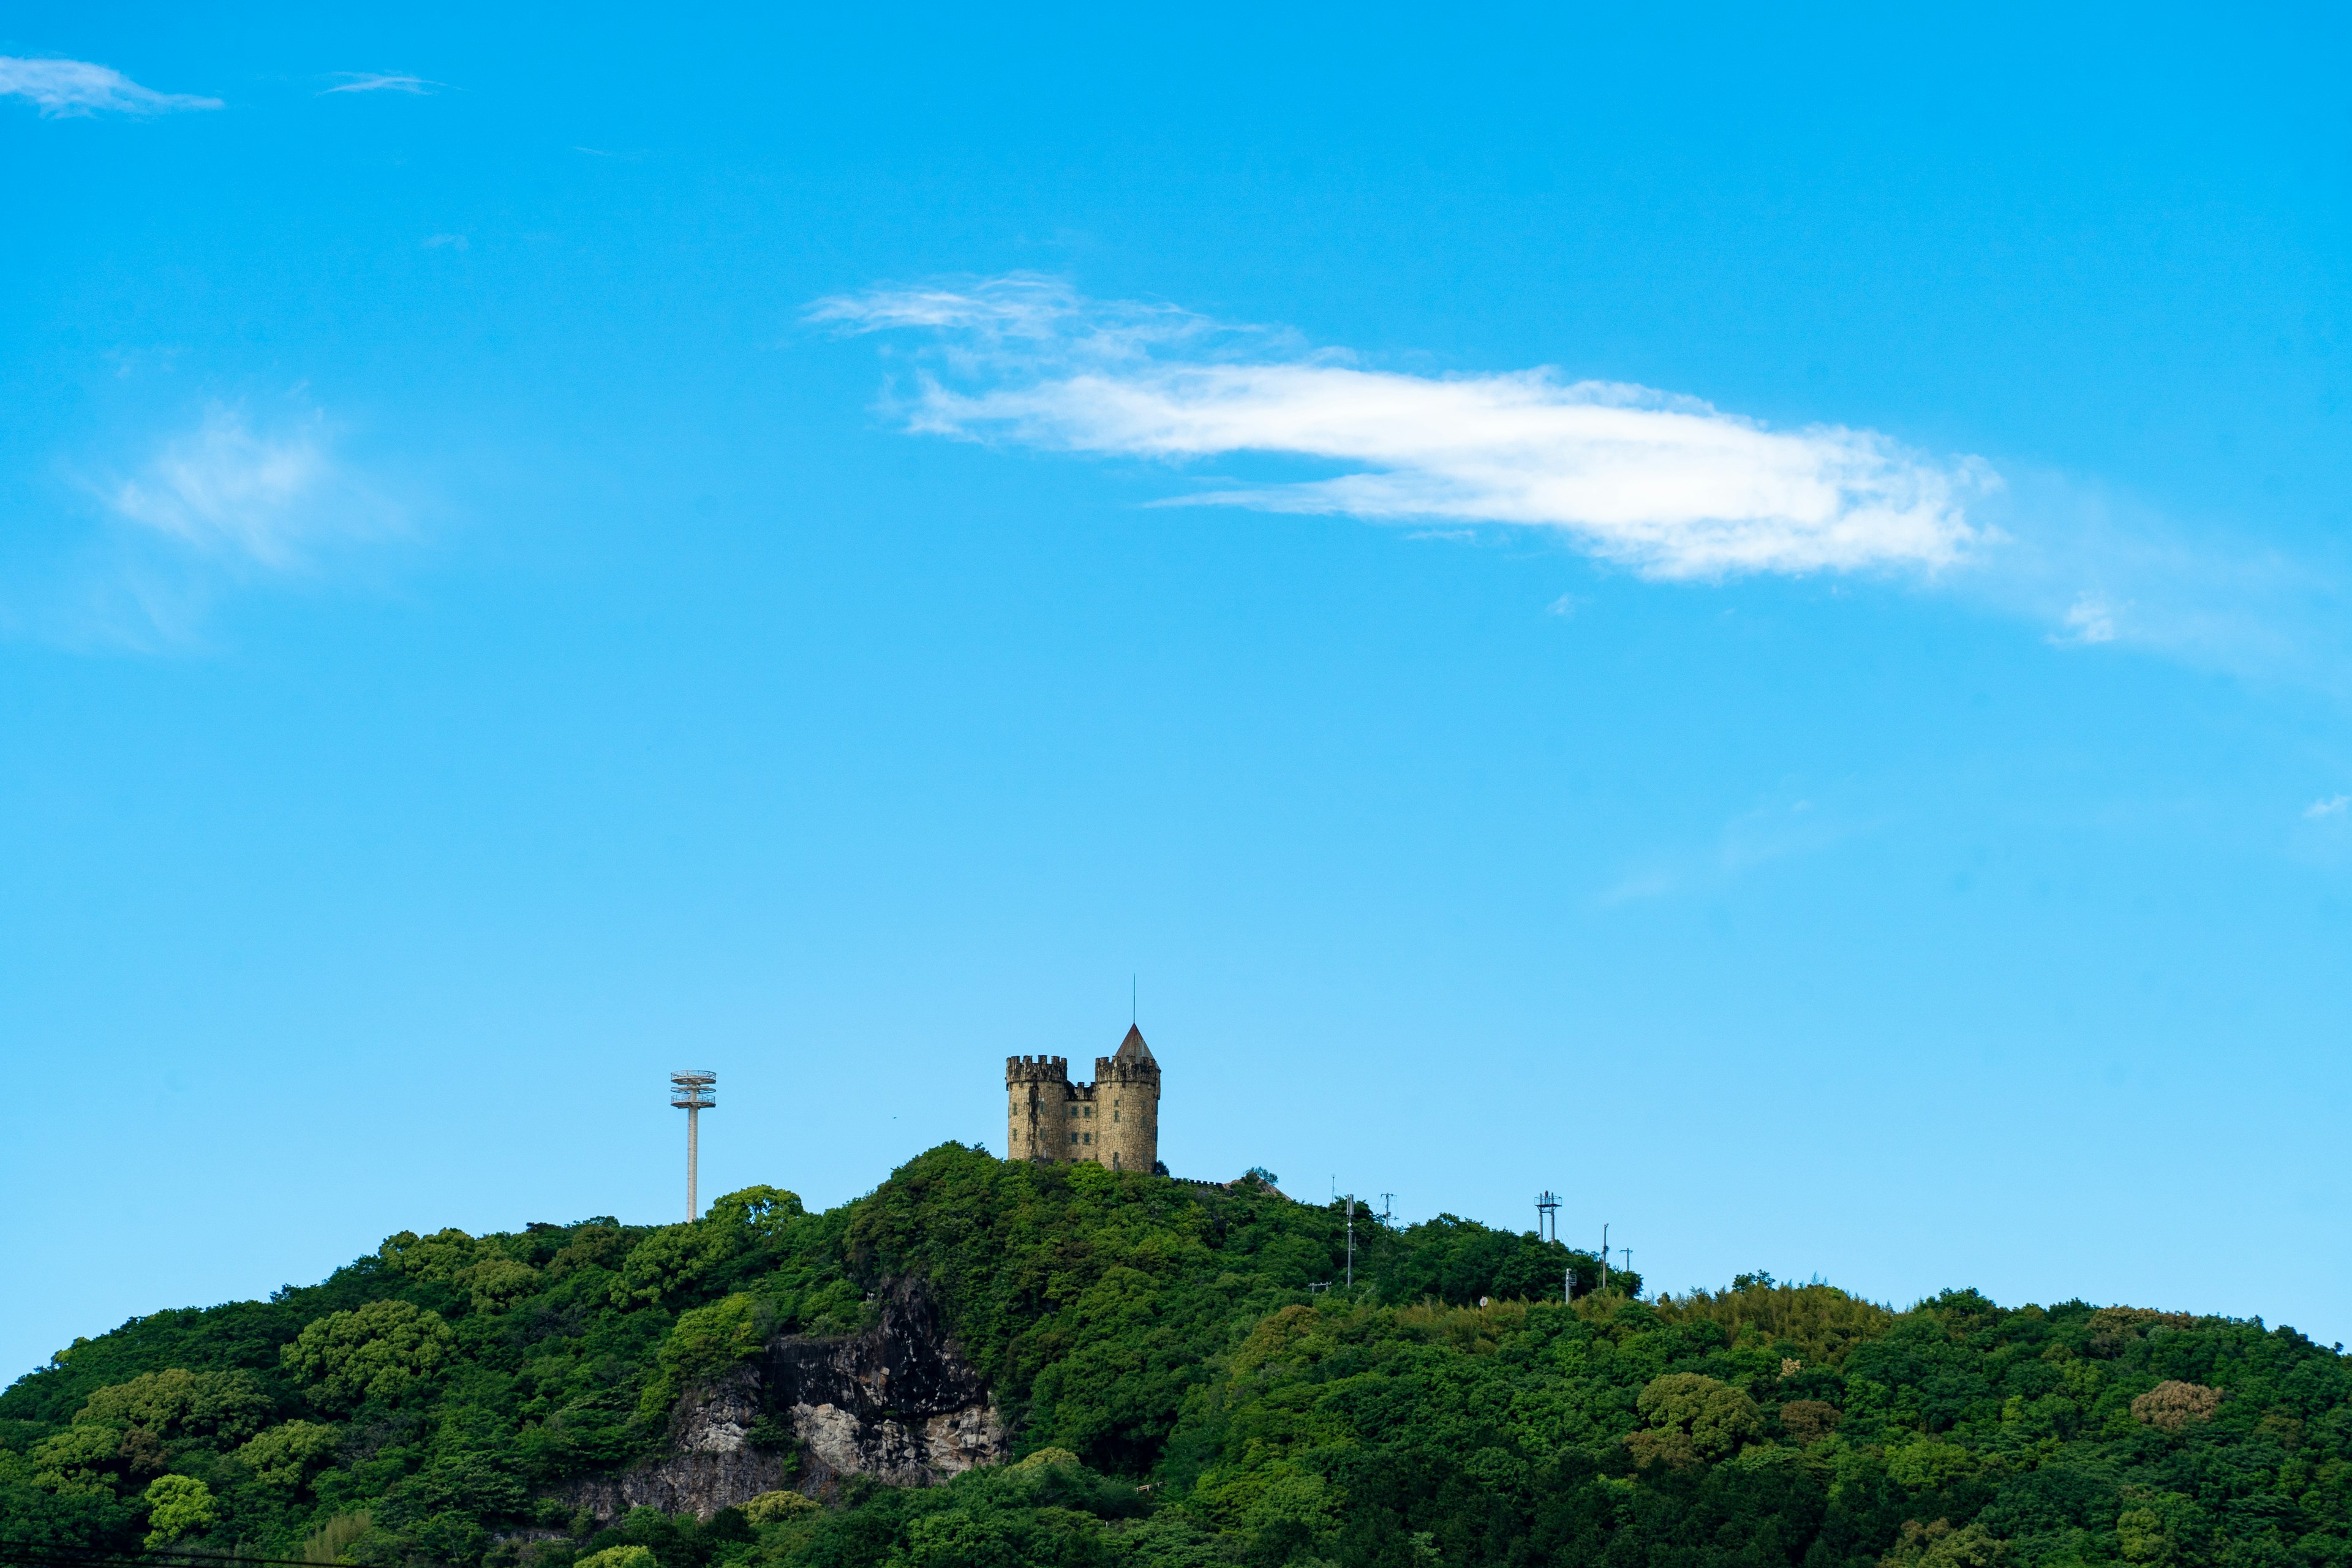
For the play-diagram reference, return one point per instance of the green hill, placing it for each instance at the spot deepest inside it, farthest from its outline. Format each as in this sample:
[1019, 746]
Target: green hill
[1101, 1370]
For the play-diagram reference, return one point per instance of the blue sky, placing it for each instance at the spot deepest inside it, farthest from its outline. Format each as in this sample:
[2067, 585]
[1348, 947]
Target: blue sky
[1741, 616]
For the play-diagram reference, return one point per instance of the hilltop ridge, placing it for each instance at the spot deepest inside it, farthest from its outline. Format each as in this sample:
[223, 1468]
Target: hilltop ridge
[999, 1363]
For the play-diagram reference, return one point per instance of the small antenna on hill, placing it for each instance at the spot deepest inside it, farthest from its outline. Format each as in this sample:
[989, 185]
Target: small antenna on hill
[1388, 1203]
[1547, 1216]
[1605, 1255]
[1133, 1015]
[693, 1091]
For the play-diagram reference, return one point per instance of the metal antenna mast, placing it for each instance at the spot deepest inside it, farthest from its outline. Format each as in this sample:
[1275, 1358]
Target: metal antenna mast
[1604, 1257]
[1547, 1216]
[1388, 1201]
[693, 1091]
[1352, 1241]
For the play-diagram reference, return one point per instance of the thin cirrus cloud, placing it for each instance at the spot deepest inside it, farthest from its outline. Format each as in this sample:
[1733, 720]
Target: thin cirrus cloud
[384, 81]
[1667, 485]
[63, 88]
[230, 494]
[236, 498]
[1772, 831]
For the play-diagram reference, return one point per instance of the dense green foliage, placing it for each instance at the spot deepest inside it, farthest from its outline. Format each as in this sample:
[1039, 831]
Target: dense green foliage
[1190, 1383]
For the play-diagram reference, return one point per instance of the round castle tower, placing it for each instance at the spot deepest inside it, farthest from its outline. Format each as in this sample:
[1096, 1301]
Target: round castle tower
[1126, 1102]
[1112, 1122]
[1037, 1090]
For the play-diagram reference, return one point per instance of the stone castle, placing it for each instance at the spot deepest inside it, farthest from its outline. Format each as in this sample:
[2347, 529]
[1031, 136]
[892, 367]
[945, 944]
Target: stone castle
[1113, 1121]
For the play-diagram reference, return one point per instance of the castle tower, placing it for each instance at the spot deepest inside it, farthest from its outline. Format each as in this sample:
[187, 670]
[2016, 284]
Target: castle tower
[1127, 1106]
[1036, 1091]
[1113, 1121]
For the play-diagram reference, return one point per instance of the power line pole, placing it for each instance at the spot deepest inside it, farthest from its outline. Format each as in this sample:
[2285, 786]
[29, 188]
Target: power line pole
[1352, 1241]
[694, 1092]
[1605, 1256]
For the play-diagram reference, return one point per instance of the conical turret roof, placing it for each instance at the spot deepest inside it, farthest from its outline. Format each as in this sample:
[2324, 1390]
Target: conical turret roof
[1133, 1051]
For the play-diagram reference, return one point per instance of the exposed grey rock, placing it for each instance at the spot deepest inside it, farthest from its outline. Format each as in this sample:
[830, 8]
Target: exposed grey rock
[898, 1403]
[709, 1465]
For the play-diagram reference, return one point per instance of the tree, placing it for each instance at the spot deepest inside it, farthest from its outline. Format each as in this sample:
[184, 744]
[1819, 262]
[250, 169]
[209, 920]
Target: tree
[176, 1403]
[1692, 1417]
[378, 1351]
[764, 1211]
[280, 1457]
[177, 1506]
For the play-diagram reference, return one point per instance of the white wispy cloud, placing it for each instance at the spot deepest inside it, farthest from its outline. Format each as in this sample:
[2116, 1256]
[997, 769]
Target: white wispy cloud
[239, 497]
[64, 88]
[2100, 571]
[1667, 484]
[384, 81]
[2089, 619]
[1783, 828]
[266, 499]
[2335, 805]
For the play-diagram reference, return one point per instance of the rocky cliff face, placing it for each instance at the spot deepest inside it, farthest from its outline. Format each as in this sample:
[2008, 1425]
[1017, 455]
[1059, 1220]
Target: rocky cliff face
[709, 1465]
[898, 1403]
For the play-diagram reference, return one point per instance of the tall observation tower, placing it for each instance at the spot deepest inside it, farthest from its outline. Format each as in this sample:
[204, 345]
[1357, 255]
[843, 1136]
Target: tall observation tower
[693, 1092]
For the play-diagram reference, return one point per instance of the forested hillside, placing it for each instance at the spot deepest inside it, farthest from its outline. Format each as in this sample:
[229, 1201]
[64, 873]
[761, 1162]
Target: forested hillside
[1187, 1380]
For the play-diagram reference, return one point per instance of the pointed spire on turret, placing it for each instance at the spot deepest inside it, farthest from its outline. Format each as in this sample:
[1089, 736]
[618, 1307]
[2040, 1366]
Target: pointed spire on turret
[1133, 1050]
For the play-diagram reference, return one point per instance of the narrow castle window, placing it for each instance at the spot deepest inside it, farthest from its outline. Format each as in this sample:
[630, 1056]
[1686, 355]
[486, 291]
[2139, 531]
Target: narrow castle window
[1114, 1115]
[1090, 1137]
[1073, 1137]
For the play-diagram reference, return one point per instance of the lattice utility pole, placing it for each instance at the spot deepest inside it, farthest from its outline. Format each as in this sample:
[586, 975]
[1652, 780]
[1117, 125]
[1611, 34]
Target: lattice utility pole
[1352, 1241]
[1548, 1219]
[693, 1092]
